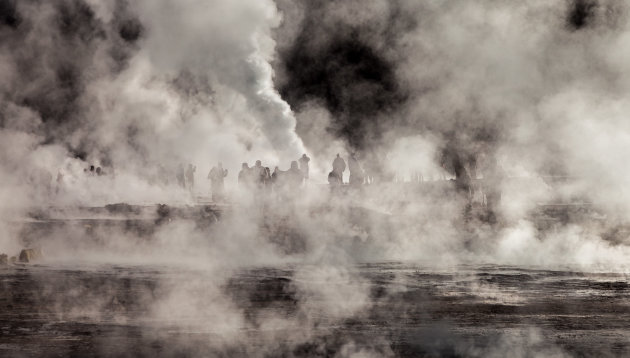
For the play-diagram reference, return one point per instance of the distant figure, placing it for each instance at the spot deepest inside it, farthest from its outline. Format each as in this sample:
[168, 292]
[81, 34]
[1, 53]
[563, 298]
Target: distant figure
[244, 175]
[356, 172]
[91, 173]
[339, 166]
[190, 176]
[59, 185]
[99, 172]
[268, 179]
[462, 179]
[275, 175]
[304, 166]
[216, 176]
[294, 176]
[179, 175]
[258, 174]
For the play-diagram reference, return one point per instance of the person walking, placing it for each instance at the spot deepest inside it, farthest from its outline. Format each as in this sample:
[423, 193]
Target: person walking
[339, 166]
[304, 166]
[216, 176]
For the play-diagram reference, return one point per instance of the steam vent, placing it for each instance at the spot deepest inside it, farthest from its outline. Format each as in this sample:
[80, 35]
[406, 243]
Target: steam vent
[314, 178]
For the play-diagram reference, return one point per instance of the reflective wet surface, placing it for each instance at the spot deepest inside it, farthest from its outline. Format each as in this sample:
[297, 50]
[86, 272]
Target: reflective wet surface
[386, 309]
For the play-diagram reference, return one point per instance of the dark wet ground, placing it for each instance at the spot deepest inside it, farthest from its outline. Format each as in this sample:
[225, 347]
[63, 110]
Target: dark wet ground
[82, 311]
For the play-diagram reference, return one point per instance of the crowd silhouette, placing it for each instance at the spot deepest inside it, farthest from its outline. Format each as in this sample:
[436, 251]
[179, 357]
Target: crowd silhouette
[286, 184]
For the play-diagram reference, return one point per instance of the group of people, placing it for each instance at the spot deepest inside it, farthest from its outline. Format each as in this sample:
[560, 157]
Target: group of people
[91, 171]
[186, 178]
[357, 174]
[260, 178]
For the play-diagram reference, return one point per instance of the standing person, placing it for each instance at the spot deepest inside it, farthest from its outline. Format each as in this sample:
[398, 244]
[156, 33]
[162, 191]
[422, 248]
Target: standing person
[462, 178]
[259, 174]
[216, 176]
[244, 175]
[276, 179]
[267, 181]
[339, 166]
[190, 176]
[304, 166]
[59, 181]
[493, 176]
[294, 176]
[179, 175]
[356, 172]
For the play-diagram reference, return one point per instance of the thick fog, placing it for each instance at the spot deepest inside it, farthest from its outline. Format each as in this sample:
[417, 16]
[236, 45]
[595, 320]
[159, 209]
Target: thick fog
[140, 87]
[541, 84]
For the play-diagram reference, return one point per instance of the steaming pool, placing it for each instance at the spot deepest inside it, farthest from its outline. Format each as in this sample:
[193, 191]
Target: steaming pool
[369, 310]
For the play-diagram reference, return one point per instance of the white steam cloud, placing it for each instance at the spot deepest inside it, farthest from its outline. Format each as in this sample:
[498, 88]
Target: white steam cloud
[140, 87]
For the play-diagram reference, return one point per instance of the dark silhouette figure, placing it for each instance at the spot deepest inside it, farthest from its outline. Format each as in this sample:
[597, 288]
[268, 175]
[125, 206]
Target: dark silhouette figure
[179, 175]
[462, 179]
[244, 175]
[339, 166]
[267, 180]
[294, 176]
[258, 174]
[190, 176]
[492, 180]
[216, 176]
[304, 166]
[275, 175]
[59, 181]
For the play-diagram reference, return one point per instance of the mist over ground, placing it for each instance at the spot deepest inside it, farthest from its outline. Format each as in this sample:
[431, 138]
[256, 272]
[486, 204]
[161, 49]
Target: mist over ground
[419, 91]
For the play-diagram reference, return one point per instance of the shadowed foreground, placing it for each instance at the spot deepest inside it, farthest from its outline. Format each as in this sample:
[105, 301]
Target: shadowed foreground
[468, 311]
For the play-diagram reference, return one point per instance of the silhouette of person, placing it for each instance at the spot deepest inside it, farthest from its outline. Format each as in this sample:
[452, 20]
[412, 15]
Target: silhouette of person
[244, 175]
[59, 181]
[304, 165]
[179, 175]
[190, 176]
[339, 166]
[216, 176]
[462, 179]
[267, 179]
[258, 174]
[294, 176]
[275, 176]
